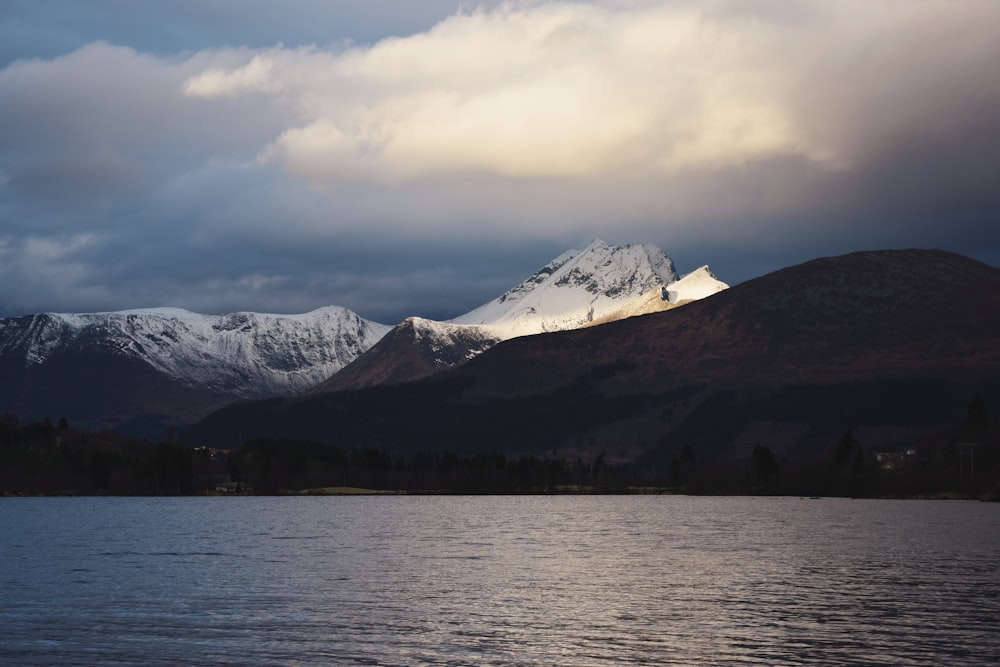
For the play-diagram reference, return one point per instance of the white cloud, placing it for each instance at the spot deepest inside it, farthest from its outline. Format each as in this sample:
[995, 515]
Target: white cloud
[567, 90]
[257, 75]
[554, 90]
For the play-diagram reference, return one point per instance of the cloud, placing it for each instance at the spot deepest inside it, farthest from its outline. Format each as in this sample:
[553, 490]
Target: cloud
[566, 89]
[555, 90]
[665, 99]
[410, 169]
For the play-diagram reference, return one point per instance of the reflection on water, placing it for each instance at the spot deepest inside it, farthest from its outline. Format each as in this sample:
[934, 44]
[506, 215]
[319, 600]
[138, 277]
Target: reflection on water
[651, 580]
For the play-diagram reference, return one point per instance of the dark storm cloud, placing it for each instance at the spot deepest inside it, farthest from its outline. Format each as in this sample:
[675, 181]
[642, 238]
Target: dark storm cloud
[382, 280]
[188, 159]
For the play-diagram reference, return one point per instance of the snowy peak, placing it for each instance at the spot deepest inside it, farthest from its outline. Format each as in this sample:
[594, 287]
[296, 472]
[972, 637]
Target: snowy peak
[575, 289]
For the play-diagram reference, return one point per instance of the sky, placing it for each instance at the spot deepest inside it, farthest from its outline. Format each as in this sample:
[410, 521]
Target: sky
[420, 158]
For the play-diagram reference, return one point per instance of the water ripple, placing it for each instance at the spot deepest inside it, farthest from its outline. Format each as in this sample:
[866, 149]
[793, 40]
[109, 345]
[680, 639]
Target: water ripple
[499, 581]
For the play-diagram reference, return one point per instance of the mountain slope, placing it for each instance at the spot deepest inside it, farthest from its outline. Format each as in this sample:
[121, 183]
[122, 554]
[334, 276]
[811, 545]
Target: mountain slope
[414, 349]
[579, 288]
[871, 341]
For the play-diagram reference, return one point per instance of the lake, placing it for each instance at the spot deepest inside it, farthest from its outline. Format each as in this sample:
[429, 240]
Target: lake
[510, 580]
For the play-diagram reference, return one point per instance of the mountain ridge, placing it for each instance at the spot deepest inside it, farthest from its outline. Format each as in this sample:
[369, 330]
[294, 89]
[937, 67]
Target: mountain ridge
[78, 364]
[246, 355]
[274, 354]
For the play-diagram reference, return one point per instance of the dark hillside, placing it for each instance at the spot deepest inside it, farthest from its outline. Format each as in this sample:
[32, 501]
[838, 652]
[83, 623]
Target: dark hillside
[891, 344]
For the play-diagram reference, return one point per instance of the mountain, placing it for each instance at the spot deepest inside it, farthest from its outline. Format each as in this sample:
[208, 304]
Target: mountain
[574, 289]
[99, 369]
[889, 344]
[579, 288]
[138, 370]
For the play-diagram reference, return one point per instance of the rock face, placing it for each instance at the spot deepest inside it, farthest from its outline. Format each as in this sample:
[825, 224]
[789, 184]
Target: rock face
[875, 342]
[580, 288]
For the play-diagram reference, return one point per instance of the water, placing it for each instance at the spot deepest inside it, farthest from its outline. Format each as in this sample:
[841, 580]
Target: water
[645, 580]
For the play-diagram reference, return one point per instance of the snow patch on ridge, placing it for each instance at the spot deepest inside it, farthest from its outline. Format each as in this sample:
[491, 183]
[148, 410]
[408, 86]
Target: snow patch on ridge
[698, 284]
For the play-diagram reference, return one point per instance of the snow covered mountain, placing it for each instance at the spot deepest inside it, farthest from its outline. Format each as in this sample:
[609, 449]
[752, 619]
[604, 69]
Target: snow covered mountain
[580, 288]
[142, 370]
[243, 354]
[574, 289]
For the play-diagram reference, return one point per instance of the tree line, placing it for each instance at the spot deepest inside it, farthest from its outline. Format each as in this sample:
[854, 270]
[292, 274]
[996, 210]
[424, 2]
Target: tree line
[43, 458]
